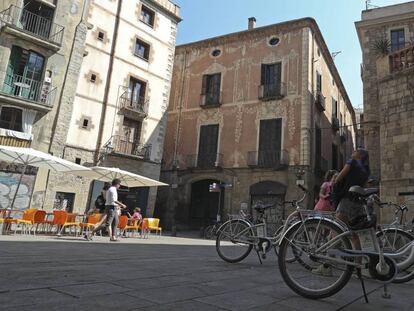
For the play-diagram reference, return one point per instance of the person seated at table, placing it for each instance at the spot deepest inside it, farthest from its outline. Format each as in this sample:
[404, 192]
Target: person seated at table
[135, 216]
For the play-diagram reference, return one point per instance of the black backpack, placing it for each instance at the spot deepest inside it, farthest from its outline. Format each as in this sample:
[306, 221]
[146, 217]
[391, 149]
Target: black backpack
[100, 202]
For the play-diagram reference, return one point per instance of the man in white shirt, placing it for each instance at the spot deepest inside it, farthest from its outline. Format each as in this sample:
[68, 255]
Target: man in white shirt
[111, 205]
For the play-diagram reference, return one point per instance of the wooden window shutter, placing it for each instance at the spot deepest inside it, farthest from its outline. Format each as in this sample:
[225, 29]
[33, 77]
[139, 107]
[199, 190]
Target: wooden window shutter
[263, 74]
[204, 85]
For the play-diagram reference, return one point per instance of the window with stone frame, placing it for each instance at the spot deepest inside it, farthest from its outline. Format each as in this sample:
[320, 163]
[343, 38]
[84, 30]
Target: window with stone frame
[142, 49]
[318, 83]
[211, 89]
[11, 118]
[334, 108]
[271, 80]
[147, 16]
[397, 39]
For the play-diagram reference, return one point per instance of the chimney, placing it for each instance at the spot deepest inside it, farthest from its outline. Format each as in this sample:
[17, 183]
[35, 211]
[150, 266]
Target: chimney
[252, 23]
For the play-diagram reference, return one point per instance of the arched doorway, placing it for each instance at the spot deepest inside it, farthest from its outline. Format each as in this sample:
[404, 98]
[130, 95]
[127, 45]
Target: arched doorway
[269, 192]
[204, 204]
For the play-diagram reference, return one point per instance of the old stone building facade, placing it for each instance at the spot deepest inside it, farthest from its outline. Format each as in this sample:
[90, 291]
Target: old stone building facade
[118, 117]
[254, 110]
[41, 51]
[88, 82]
[388, 75]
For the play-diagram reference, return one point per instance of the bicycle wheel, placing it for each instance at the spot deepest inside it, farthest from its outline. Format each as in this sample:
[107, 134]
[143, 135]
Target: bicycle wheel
[330, 276]
[278, 237]
[209, 232]
[393, 240]
[234, 240]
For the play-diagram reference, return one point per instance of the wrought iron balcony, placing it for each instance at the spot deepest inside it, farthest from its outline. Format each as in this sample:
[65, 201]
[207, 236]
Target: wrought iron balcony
[335, 124]
[135, 107]
[205, 161]
[211, 99]
[268, 159]
[320, 101]
[124, 145]
[272, 91]
[32, 24]
[402, 59]
[23, 89]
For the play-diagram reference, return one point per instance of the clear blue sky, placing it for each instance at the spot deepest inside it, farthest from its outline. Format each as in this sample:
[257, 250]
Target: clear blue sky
[209, 18]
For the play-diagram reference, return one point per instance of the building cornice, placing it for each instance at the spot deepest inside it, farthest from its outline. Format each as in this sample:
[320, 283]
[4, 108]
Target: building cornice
[162, 8]
[375, 22]
[287, 26]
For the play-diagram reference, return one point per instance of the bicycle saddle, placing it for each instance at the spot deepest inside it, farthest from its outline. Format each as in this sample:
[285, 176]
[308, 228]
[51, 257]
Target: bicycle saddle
[262, 207]
[363, 192]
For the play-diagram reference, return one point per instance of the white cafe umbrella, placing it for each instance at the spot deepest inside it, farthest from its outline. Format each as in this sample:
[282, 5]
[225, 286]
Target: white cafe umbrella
[128, 179]
[32, 157]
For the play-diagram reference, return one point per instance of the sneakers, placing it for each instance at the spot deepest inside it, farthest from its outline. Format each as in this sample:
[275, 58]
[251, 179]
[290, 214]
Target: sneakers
[87, 237]
[322, 270]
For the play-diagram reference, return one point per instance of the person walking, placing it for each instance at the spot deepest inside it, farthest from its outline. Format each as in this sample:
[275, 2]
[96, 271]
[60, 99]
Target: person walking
[111, 205]
[355, 173]
[325, 201]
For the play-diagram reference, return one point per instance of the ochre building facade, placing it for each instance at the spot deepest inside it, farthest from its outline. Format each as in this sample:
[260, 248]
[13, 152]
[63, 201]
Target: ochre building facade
[255, 111]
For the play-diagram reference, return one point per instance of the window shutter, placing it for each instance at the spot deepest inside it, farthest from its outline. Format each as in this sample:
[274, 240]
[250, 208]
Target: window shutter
[263, 74]
[204, 85]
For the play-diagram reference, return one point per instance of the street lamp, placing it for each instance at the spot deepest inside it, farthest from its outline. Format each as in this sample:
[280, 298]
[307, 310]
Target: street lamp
[107, 149]
[299, 171]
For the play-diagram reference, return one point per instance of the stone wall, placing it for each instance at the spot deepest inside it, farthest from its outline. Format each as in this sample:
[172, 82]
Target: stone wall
[370, 36]
[396, 99]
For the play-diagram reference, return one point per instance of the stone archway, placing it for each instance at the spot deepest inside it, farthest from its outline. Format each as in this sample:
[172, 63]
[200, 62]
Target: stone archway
[204, 204]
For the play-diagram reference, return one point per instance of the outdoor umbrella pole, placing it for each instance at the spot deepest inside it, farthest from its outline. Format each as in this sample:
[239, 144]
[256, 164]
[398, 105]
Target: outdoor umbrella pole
[17, 189]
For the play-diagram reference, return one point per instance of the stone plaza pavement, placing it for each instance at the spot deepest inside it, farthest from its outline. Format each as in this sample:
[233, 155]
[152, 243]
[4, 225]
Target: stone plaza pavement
[47, 273]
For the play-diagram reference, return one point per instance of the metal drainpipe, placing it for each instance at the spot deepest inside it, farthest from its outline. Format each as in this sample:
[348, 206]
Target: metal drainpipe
[180, 107]
[55, 121]
[108, 83]
[312, 119]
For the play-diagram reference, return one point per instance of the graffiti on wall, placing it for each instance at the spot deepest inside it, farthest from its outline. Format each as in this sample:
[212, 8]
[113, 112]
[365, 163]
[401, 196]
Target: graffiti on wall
[8, 186]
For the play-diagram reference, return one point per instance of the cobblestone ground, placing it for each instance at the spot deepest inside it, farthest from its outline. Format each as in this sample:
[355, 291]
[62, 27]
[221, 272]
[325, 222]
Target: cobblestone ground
[44, 273]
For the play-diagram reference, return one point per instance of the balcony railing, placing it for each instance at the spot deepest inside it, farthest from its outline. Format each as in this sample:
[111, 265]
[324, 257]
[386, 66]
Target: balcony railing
[33, 24]
[402, 59]
[125, 145]
[211, 99]
[320, 101]
[205, 161]
[24, 88]
[135, 104]
[272, 91]
[268, 159]
[335, 123]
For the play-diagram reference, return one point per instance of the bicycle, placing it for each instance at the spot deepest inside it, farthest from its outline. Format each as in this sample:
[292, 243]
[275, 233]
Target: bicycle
[211, 230]
[325, 259]
[396, 235]
[237, 237]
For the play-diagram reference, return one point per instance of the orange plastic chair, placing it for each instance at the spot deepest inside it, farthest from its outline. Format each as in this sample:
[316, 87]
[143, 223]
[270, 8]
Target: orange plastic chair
[134, 227]
[91, 221]
[123, 222]
[153, 224]
[64, 220]
[26, 222]
[144, 228]
[39, 219]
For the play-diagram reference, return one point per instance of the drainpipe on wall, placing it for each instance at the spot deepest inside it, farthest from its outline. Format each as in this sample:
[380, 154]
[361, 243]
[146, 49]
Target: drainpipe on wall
[174, 175]
[180, 108]
[108, 83]
[55, 121]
